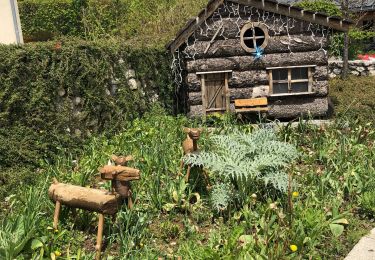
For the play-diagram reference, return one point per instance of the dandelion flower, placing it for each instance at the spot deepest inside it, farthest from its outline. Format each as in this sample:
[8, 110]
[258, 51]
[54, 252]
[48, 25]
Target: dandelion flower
[294, 248]
[57, 253]
[56, 231]
[295, 194]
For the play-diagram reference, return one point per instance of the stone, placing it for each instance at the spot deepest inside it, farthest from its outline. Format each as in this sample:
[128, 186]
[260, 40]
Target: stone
[354, 72]
[134, 84]
[332, 75]
[361, 69]
[107, 92]
[365, 249]
[77, 133]
[372, 72]
[77, 101]
[61, 92]
[337, 71]
[129, 74]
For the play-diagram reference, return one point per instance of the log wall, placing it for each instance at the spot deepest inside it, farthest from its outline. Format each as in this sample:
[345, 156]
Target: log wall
[216, 47]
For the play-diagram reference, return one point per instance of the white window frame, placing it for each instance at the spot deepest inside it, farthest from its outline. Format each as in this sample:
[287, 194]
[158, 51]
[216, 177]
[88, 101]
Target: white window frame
[309, 80]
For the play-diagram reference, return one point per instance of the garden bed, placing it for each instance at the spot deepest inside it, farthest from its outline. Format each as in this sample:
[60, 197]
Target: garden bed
[330, 212]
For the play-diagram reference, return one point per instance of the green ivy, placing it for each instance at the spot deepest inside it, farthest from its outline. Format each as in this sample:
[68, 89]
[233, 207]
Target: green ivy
[53, 95]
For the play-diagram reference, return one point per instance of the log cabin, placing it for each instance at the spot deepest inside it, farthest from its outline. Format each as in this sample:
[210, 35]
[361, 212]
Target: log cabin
[249, 56]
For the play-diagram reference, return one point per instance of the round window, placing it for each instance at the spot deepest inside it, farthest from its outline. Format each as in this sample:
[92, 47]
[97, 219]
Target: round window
[254, 35]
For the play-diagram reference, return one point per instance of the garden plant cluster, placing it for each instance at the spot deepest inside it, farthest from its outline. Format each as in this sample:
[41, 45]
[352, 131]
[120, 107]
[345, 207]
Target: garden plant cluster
[255, 192]
[304, 192]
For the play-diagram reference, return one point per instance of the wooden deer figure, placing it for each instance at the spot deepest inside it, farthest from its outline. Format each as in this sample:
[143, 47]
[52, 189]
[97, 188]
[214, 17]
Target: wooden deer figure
[190, 145]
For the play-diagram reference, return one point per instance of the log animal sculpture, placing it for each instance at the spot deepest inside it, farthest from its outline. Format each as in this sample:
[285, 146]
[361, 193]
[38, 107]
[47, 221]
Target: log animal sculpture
[190, 145]
[94, 200]
[120, 176]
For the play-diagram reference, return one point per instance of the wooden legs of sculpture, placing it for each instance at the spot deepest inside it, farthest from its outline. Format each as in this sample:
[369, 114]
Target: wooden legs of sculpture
[56, 215]
[99, 237]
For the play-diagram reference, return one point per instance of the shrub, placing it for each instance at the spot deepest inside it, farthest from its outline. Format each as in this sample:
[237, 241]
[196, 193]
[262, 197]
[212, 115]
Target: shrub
[249, 162]
[354, 97]
[53, 95]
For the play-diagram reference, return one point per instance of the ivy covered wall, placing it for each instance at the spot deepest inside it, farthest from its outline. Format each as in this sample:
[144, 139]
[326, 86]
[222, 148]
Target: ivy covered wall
[54, 95]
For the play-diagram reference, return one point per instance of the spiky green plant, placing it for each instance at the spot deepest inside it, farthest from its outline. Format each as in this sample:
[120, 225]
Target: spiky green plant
[251, 162]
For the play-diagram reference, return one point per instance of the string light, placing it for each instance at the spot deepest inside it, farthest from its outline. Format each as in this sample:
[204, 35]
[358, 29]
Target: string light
[277, 24]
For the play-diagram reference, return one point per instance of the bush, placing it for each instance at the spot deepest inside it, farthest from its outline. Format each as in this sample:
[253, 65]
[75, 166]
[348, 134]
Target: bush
[48, 19]
[354, 97]
[323, 6]
[53, 95]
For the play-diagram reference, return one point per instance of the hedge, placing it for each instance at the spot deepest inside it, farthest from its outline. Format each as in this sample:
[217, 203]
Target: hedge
[54, 95]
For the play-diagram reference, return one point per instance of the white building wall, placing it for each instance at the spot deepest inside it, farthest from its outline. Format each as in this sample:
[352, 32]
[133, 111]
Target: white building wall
[10, 25]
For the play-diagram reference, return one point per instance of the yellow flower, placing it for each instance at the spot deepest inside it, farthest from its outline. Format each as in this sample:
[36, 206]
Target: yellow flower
[295, 194]
[294, 248]
[56, 231]
[57, 253]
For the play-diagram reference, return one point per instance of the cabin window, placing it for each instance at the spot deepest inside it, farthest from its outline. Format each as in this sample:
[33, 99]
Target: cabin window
[254, 35]
[290, 80]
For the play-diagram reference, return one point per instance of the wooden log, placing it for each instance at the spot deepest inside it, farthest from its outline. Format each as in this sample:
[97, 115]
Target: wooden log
[320, 73]
[120, 173]
[237, 79]
[195, 98]
[232, 27]
[84, 198]
[293, 107]
[244, 63]
[277, 44]
[320, 88]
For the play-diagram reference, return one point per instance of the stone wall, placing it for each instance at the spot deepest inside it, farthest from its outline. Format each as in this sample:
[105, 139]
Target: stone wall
[356, 67]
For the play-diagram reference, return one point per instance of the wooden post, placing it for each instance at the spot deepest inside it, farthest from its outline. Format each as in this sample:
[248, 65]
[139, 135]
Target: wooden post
[99, 238]
[56, 215]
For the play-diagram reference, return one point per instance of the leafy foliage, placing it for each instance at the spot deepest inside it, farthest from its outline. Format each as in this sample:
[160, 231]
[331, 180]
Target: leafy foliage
[247, 160]
[18, 229]
[323, 6]
[353, 98]
[54, 95]
[140, 22]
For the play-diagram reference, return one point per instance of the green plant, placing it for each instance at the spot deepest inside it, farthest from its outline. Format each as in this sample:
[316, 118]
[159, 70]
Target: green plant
[18, 229]
[131, 230]
[367, 202]
[250, 162]
[323, 6]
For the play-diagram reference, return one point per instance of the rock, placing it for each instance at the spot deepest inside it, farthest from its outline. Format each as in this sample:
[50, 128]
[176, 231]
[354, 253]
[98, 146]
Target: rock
[61, 92]
[129, 74]
[361, 69]
[356, 73]
[107, 92]
[372, 72]
[154, 98]
[77, 101]
[134, 84]
[77, 133]
[337, 71]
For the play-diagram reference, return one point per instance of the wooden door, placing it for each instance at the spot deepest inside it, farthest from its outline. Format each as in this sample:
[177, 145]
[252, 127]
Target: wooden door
[215, 92]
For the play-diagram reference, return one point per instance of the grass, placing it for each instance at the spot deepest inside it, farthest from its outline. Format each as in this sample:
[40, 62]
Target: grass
[326, 219]
[354, 97]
